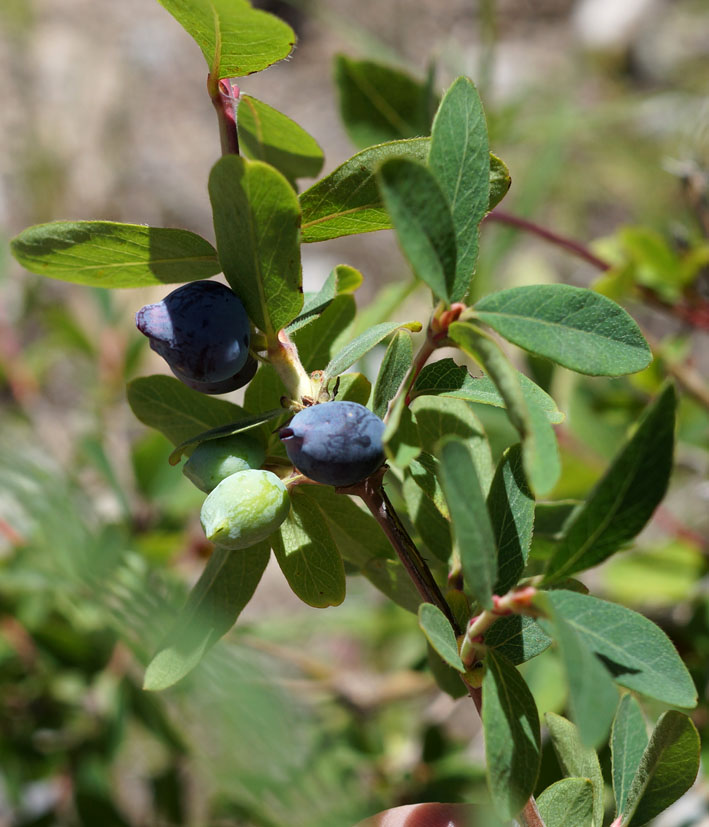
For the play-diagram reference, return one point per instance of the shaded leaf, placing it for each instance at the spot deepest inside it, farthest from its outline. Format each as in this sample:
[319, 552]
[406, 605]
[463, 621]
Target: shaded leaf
[217, 599]
[423, 222]
[667, 769]
[472, 529]
[308, 556]
[439, 633]
[511, 507]
[625, 497]
[164, 403]
[573, 326]
[395, 365]
[343, 279]
[108, 254]
[235, 39]
[265, 134]
[460, 160]
[352, 387]
[323, 336]
[518, 638]
[500, 181]
[512, 736]
[576, 760]
[256, 221]
[379, 103]
[628, 742]
[363, 344]
[401, 438]
[446, 678]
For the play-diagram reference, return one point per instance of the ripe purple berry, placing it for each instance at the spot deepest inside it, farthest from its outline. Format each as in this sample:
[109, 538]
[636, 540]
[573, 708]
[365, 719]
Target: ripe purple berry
[336, 443]
[202, 331]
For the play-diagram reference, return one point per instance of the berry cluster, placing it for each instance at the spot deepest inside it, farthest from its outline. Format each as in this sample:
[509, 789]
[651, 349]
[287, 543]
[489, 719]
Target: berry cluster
[203, 333]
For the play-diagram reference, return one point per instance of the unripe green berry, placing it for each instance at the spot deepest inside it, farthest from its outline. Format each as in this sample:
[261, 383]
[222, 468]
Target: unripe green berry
[216, 459]
[245, 508]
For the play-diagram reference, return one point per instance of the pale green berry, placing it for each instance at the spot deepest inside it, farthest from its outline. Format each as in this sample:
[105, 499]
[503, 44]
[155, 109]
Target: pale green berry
[216, 459]
[245, 508]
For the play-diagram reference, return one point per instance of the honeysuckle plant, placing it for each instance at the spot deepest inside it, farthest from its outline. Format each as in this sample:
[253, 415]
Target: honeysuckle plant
[456, 552]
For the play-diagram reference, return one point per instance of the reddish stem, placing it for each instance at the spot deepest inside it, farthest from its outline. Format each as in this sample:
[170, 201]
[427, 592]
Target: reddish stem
[225, 96]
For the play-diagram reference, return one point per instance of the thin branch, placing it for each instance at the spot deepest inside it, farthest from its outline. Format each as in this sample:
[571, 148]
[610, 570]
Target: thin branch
[530, 816]
[225, 96]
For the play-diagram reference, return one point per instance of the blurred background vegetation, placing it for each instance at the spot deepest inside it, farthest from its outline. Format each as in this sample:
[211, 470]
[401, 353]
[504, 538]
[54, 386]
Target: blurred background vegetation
[601, 112]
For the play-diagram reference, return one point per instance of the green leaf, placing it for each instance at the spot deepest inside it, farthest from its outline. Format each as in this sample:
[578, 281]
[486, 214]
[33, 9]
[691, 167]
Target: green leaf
[363, 344]
[235, 39]
[164, 403]
[265, 134]
[576, 760]
[567, 803]
[539, 449]
[423, 222]
[395, 365]
[108, 254]
[347, 201]
[472, 528]
[216, 601]
[638, 653]
[307, 554]
[573, 326]
[319, 339]
[439, 633]
[667, 769]
[341, 281]
[446, 678]
[379, 103]
[460, 160]
[426, 505]
[628, 742]
[362, 544]
[256, 221]
[518, 638]
[592, 696]
[446, 378]
[245, 424]
[401, 438]
[352, 387]
[626, 496]
[500, 181]
[511, 507]
[512, 737]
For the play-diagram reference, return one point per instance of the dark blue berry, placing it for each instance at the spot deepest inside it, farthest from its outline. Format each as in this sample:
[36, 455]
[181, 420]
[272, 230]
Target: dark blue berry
[336, 443]
[238, 380]
[201, 330]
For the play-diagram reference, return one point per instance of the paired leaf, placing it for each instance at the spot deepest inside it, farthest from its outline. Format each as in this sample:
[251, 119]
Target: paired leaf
[265, 134]
[395, 365]
[439, 633]
[446, 378]
[638, 653]
[460, 161]
[573, 326]
[347, 201]
[592, 695]
[235, 39]
[164, 403]
[217, 599]
[626, 496]
[472, 529]
[363, 344]
[577, 760]
[628, 742]
[379, 103]
[512, 736]
[667, 769]
[308, 556]
[511, 507]
[423, 222]
[108, 254]
[567, 803]
[539, 449]
[256, 221]
[341, 281]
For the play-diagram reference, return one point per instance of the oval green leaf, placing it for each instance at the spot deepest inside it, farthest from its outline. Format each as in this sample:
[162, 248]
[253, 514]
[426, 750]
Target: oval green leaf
[439, 633]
